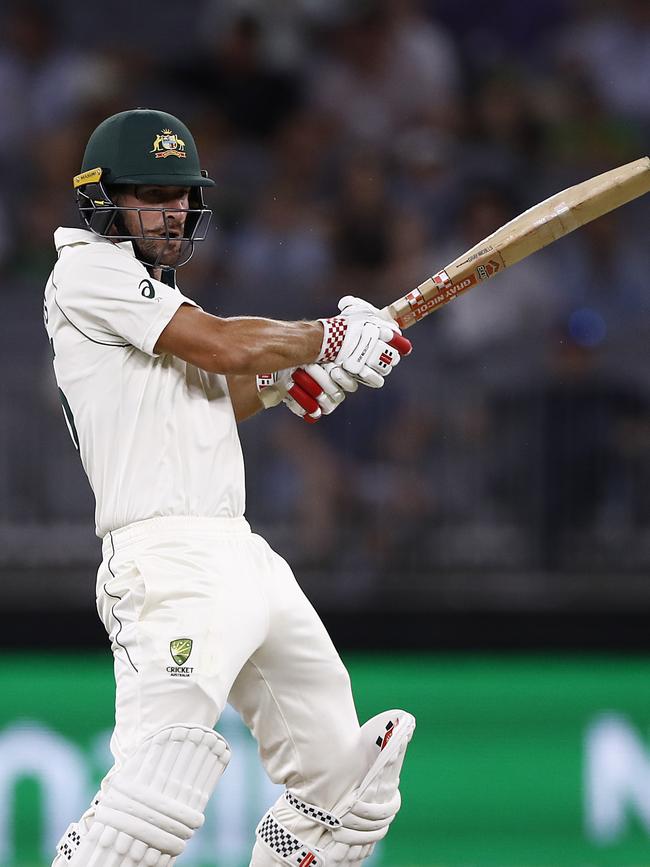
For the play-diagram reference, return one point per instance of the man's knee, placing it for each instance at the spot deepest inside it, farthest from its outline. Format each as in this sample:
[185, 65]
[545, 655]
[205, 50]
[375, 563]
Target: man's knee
[300, 834]
[153, 803]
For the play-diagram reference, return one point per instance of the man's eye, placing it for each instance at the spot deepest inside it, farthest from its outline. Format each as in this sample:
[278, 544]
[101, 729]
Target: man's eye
[159, 199]
[152, 195]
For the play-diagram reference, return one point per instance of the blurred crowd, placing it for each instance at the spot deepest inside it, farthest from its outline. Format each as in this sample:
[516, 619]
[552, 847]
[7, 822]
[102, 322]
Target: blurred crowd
[358, 146]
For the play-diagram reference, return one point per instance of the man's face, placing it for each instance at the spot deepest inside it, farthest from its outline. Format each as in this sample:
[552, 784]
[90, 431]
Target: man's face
[172, 222]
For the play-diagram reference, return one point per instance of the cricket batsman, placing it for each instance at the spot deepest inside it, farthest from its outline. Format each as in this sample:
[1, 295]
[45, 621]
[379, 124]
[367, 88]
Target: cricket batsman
[199, 610]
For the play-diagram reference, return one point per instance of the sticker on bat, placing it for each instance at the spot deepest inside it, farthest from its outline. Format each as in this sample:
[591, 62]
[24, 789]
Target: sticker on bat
[442, 278]
[420, 306]
[476, 255]
[485, 271]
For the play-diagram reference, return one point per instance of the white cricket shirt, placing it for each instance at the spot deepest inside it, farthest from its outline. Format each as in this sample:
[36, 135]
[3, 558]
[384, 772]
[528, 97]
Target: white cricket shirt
[156, 435]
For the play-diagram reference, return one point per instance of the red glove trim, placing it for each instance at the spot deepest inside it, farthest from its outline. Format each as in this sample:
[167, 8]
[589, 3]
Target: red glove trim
[306, 382]
[401, 344]
[305, 400]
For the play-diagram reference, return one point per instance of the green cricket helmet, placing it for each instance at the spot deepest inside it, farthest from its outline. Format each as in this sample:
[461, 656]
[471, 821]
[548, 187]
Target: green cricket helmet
[141, 147]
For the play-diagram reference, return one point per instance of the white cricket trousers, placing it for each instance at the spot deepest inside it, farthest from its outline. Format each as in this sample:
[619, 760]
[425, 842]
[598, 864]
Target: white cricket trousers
[256, 642]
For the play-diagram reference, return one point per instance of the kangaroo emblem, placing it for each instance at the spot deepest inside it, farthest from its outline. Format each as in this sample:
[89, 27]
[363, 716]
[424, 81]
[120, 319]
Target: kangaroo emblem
[166, 144]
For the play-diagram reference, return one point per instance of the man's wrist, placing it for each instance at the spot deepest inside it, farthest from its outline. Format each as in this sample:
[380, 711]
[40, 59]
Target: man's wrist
[317, 328]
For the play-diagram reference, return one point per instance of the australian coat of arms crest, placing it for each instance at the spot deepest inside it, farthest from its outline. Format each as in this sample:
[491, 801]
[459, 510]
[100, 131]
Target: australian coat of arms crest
[167, 144]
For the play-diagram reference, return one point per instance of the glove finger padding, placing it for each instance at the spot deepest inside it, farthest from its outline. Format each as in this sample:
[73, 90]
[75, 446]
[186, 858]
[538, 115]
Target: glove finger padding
[383, 359]
[342, 378]
[402, 344]
[358, 351]
[386, 355]
[317, 381]
[295, 402]
[331, 394]
[379, 364]
[305, 378]
[308, 403]
[375, 360]
[293, 387]
[370, 378]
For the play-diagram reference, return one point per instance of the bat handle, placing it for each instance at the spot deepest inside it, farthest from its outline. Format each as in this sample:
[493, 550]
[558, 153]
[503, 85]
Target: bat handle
[400, 311]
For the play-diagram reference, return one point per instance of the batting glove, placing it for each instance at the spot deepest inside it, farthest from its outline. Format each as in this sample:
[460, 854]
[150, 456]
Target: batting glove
[309, 392]
[362, 341]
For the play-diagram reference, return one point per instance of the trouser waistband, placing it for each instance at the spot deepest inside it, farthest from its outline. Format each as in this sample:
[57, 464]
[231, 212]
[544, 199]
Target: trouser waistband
[171, 524]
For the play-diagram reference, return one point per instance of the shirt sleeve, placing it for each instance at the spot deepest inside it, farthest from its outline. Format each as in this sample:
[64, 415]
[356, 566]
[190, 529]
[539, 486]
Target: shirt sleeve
[110, 298]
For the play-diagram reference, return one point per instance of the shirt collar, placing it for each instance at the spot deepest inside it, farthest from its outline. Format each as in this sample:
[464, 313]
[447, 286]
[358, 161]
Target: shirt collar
[65, 237]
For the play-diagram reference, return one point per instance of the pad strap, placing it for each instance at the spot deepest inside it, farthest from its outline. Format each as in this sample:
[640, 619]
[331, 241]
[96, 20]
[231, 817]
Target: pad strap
[285, 845]
[316, 814]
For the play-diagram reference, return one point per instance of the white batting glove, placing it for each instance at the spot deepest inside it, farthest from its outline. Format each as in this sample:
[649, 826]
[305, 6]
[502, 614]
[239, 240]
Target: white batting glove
[362, 341]
[345, 381]
[308, 392]
[351, 305]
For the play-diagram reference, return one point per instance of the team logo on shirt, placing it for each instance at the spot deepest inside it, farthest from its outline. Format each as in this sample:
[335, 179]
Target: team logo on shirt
[180, 649]
[146, 289]
[168, 144]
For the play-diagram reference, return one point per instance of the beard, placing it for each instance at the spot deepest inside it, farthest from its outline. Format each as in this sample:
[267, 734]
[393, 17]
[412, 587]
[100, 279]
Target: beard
[164, 252]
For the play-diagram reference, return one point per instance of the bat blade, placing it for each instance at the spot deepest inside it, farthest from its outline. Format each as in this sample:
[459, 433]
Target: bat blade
[532, 230]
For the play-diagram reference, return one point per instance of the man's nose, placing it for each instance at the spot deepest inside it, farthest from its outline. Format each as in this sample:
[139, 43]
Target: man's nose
[175, 212]
[176, 205]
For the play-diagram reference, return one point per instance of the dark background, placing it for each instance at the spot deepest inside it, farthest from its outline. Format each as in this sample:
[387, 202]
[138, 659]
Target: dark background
[496, 494]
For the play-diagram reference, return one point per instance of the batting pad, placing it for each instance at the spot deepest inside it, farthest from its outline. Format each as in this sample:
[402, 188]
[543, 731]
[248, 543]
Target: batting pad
[361, 818]
[152, 805]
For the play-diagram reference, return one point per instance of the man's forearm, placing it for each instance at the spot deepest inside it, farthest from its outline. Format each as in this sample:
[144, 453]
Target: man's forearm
[243, 395]
[267, 345]
[240, 345]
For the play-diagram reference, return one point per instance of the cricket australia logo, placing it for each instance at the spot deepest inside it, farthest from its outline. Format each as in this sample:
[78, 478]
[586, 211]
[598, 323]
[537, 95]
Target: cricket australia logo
[168, 144]
[180, 649]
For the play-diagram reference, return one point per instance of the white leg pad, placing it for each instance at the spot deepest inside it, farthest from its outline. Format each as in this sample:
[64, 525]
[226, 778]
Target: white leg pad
[152, 804]
[347, 834]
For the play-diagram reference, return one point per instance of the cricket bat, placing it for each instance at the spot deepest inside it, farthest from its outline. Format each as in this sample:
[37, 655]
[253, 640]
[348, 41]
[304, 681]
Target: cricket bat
[535, 228]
